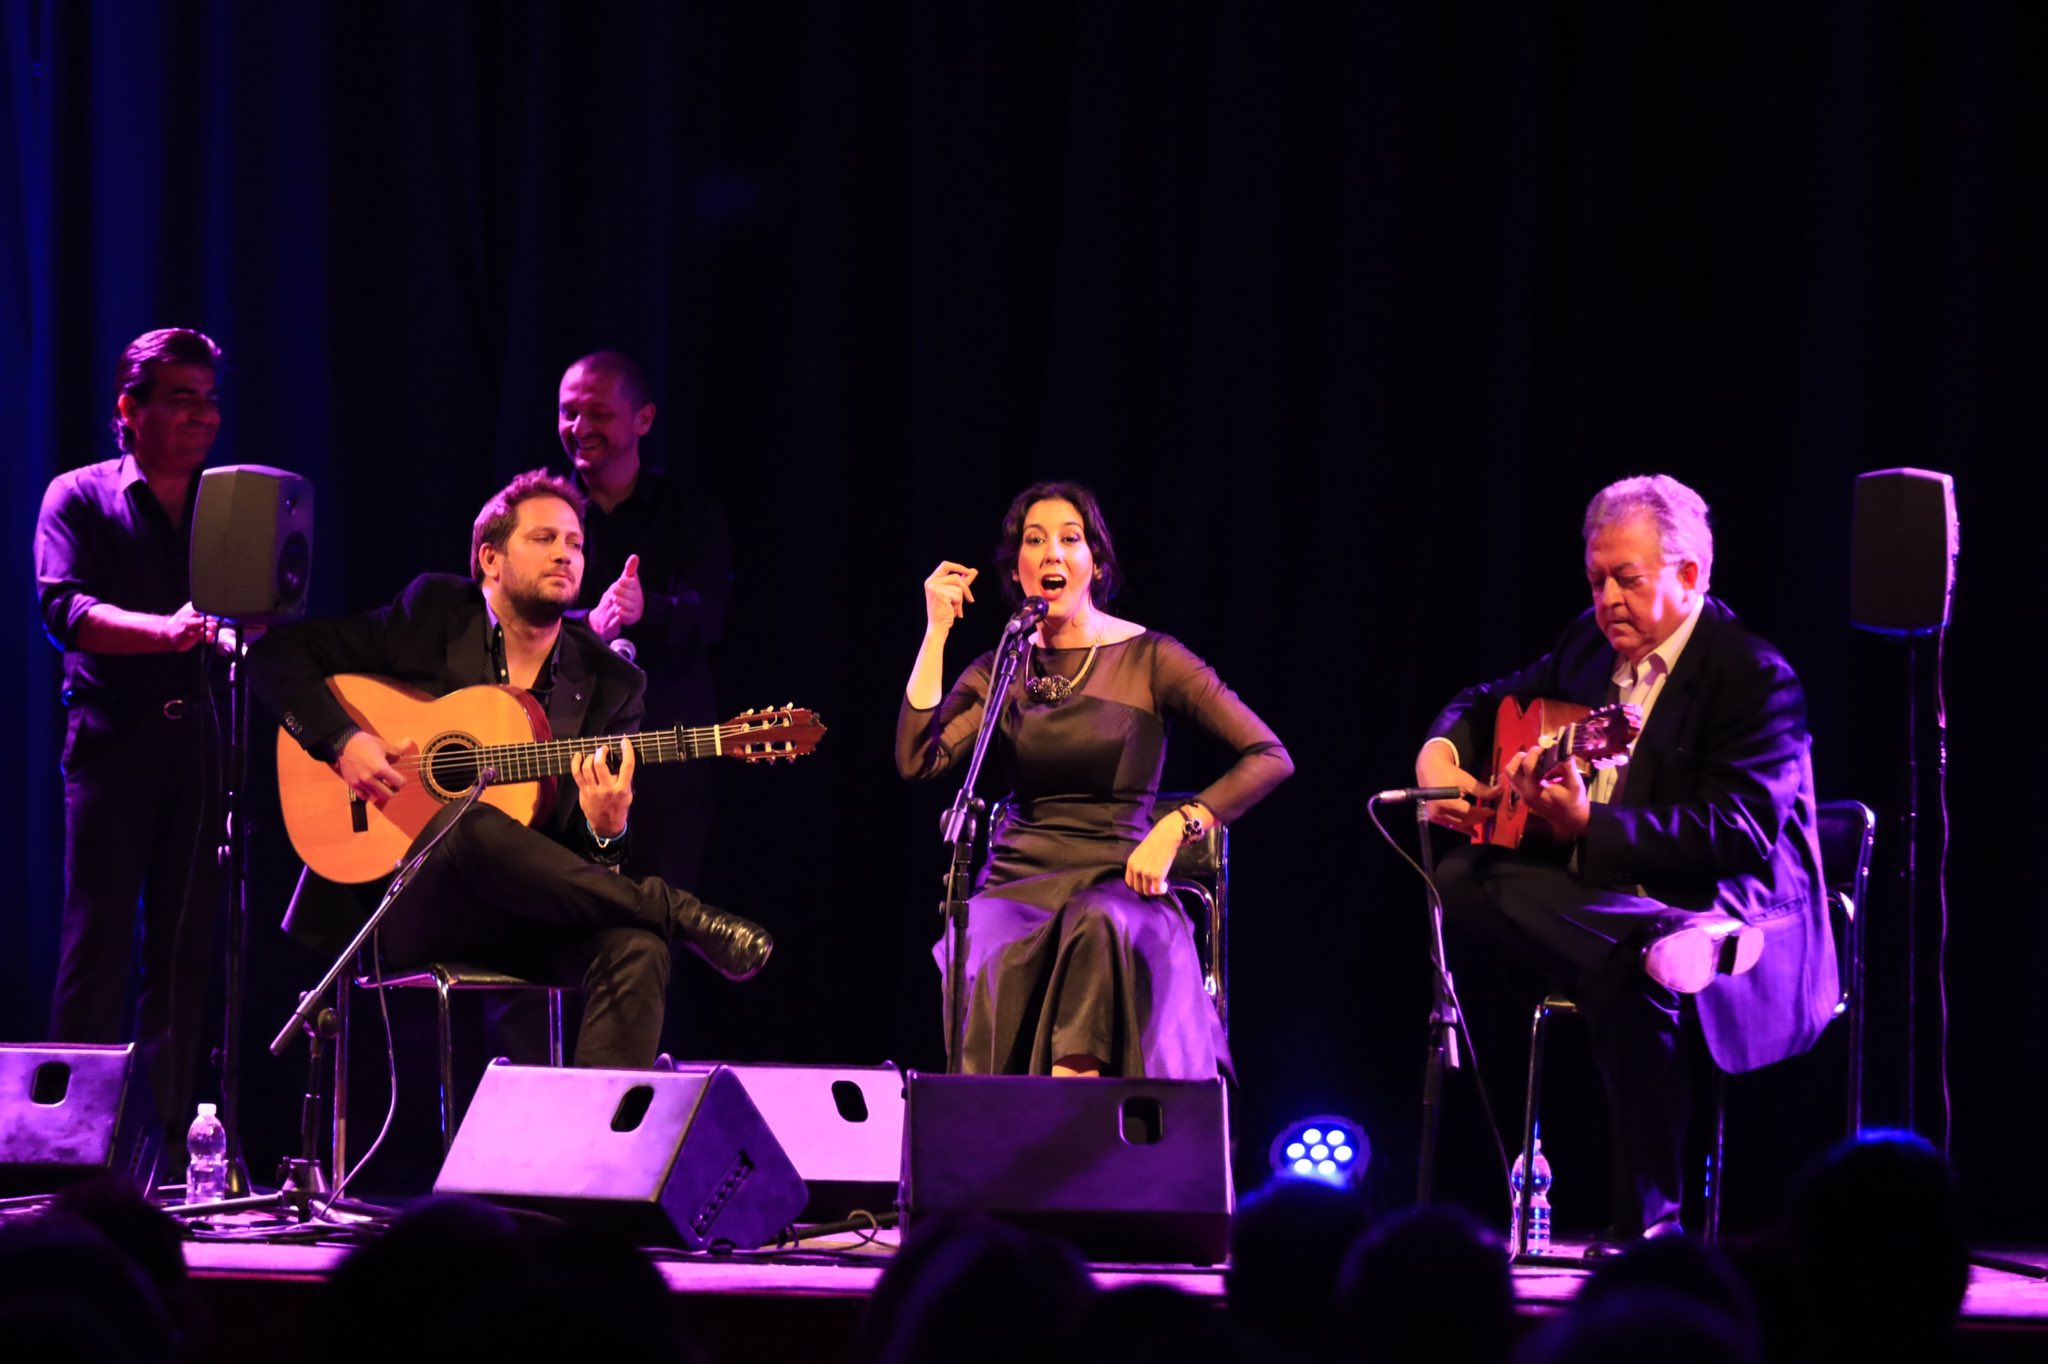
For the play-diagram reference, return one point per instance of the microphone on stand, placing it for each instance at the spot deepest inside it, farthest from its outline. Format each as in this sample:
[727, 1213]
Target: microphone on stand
[1027, 616]
[1401, 795]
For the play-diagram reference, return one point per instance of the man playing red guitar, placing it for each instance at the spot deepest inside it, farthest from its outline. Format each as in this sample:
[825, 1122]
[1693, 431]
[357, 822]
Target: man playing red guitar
[543, 902]
[1693, 870]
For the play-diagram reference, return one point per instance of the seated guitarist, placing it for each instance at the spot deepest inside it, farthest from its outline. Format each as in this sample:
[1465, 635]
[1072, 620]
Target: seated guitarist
[543, 902]
[1692, 870]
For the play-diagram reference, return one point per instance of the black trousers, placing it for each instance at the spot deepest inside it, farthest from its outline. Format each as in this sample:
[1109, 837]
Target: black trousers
[500, 894]
[141, 894]
[1587, 939]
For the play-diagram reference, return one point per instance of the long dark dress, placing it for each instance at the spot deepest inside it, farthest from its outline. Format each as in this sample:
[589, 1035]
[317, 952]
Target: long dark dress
[1063, 958]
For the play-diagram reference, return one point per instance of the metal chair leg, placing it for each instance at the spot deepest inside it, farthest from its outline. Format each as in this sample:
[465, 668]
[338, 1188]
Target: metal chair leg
[338, 1107]
[446, 1030]
[555, 1028]
[1717, 1156]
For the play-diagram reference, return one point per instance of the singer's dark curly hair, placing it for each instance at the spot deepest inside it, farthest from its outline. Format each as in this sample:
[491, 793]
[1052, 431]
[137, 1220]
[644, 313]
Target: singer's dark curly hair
[1109, 578]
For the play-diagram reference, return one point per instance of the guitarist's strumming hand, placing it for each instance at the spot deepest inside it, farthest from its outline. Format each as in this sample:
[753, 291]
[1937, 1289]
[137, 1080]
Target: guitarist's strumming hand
[606, 796]
[1435, 766]
[1557, 797]
[365, 764]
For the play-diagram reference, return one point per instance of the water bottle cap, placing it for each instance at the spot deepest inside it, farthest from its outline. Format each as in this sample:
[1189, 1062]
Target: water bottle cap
[208, 1110]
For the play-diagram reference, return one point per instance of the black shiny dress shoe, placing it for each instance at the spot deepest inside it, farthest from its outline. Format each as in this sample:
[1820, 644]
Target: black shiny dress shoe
[736, 948]
[1614, 1241]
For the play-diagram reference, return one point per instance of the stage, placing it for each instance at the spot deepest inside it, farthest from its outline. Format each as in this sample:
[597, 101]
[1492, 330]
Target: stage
[772, 1306]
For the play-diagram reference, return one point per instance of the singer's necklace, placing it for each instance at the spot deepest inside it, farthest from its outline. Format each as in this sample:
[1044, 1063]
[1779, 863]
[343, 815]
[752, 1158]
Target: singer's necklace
[1054, 689]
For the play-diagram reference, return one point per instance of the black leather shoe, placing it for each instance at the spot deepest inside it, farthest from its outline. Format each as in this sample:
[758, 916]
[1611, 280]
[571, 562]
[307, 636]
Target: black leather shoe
[1614, 1241]
[736, 948]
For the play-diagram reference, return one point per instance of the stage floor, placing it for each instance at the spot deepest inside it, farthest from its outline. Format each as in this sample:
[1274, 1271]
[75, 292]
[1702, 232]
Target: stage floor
[777, 1305]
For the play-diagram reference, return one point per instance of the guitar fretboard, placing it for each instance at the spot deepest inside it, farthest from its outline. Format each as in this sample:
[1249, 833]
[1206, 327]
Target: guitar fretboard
[456, 768]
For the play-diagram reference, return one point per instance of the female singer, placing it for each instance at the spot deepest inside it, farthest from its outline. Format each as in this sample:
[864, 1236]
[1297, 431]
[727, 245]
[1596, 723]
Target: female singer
[1078, 963]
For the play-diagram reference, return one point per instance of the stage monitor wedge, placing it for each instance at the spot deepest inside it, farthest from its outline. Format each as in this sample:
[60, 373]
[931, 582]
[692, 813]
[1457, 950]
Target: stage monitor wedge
[675, 1159]
[841, 1126]
[1903, 564]
[72, 1111]
[1129, 1171]
[252, 544]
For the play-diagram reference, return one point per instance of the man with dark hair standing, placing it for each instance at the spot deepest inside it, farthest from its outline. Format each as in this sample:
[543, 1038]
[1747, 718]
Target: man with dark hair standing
[111, 554]
[1691, 872]
[660, 573]
[541, 902]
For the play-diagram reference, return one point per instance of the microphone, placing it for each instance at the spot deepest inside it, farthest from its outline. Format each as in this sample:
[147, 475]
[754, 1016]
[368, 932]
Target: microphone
[623, 647]
[486, 776]
[1401, 795]
[1027, 616]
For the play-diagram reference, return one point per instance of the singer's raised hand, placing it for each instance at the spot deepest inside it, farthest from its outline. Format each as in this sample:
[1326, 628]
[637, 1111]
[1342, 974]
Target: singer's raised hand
[946, 594]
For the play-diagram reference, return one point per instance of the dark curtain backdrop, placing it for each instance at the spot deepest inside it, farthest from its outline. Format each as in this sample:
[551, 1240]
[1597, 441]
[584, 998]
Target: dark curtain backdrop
[1344, 309]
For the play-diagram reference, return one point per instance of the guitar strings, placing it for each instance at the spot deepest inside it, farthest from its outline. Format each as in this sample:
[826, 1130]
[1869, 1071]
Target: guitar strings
[527, 761]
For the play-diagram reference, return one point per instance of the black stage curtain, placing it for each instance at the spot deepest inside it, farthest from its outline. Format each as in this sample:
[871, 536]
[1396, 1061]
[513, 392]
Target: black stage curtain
[1345, 310]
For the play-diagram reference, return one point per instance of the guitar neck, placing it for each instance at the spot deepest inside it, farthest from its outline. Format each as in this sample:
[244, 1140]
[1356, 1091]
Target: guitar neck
[555, 757]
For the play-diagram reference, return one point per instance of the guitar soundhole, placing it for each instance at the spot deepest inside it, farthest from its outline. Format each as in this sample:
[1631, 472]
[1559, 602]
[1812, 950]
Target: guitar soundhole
[448, 766]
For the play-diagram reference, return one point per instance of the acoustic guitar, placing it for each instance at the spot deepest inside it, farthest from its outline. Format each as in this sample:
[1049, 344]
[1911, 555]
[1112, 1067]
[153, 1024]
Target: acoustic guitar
[501, 728]
[1556, 730]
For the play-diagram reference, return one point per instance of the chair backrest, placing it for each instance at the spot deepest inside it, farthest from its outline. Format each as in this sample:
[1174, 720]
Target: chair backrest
[1847, 831]
[1201, 873]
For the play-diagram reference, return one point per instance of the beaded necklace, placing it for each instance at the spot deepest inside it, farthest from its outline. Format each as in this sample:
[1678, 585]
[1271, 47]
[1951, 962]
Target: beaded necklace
[1053, 689]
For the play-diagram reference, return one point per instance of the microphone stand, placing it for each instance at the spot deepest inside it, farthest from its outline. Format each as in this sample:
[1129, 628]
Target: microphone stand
[958, 827]
[400, 879]
[1441, 1053]
[303, 1184]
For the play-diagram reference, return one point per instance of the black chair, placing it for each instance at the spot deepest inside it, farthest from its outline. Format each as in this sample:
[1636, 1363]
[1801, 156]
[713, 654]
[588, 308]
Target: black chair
[1846, 831]
[1200, 880]
[444, 979]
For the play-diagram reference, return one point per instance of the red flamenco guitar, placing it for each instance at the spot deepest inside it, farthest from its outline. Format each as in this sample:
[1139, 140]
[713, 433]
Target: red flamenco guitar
[1555, 730]
[345, 839]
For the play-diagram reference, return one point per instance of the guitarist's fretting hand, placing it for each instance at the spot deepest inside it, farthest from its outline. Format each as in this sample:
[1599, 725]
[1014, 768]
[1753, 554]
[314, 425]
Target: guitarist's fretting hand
[1557, 797]
[606, 796]
[365, 765]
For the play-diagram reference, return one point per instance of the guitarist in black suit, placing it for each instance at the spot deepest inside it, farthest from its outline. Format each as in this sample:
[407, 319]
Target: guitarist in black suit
[1694, 870]
[544, 902]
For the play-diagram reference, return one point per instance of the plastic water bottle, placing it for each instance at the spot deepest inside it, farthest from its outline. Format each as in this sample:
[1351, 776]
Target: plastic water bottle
[206, 1154]
[1539, 1202]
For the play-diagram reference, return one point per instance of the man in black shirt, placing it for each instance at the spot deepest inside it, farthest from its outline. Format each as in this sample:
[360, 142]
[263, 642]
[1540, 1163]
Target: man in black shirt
[111, 578]
[659, 575]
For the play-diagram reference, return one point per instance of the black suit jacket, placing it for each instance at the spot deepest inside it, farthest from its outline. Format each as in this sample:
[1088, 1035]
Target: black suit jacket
[1717, 812]
[435, 636]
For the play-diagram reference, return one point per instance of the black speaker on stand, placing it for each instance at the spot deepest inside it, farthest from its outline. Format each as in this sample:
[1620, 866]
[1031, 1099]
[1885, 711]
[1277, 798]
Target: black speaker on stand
[1901, 581]
[252, 565]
